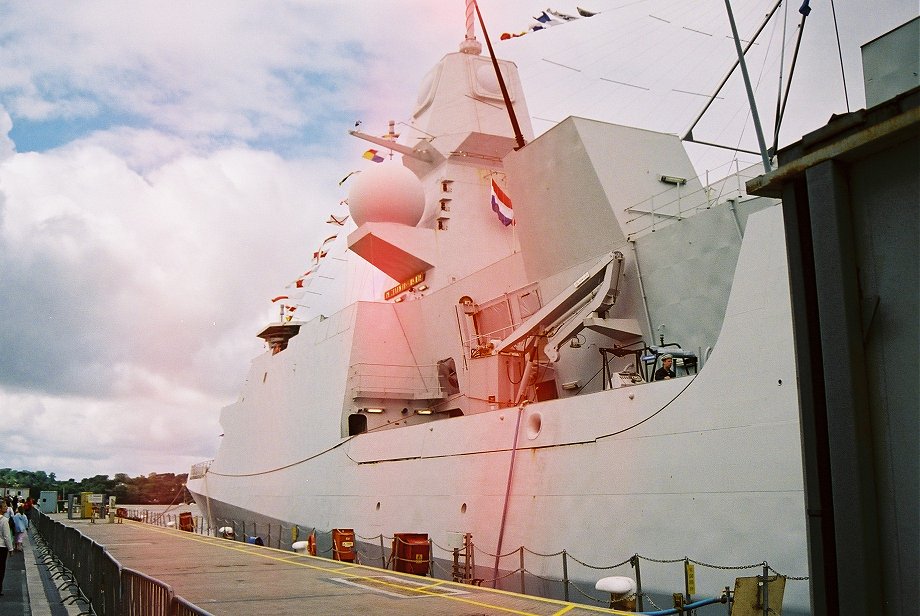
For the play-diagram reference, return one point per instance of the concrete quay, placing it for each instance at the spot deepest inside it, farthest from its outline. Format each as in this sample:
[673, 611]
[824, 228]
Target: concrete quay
[232, 578]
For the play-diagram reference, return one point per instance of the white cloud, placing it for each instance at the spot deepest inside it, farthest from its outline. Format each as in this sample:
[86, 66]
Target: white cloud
[122, 289]
[208, 67]
[78, 437]
[7, 147]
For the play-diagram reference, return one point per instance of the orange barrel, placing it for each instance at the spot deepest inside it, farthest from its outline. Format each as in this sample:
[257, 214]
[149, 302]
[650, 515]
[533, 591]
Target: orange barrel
[343, 544]
[186, 522]
[411, 553]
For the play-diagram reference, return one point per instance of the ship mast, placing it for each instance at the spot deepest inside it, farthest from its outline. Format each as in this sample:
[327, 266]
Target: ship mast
[470, 36]
[747, 86]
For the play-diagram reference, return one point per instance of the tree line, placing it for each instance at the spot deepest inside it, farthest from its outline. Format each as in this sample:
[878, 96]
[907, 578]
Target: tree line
[154, 489]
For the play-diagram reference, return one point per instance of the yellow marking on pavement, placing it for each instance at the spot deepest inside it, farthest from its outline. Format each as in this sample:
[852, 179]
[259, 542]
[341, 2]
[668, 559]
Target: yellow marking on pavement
[343, 568]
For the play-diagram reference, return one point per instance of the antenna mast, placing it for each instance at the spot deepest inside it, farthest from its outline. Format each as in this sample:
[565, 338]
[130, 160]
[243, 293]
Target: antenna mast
[470, 45]
[747, 85]
[498, 74]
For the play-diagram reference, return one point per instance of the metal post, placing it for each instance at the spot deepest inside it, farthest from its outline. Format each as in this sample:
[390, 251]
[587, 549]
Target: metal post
[383, 559]
[565, 575]
[456, 569]
[634, 561]
[472, 558]
[766, 588]
[467, 557]
[750, 92]
[522, 570]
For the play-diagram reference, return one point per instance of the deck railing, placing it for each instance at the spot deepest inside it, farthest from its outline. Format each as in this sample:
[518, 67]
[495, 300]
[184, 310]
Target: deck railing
[410, 382]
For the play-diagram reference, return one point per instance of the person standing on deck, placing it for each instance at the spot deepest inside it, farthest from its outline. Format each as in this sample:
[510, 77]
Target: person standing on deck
[6, 545]
[665, 371]
[21, 522]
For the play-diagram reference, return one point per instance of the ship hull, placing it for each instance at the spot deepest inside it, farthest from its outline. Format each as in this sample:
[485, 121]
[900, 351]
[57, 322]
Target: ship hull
[707, 466]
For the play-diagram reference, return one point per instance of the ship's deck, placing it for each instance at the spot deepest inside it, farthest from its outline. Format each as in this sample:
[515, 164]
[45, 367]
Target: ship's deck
[230, 578]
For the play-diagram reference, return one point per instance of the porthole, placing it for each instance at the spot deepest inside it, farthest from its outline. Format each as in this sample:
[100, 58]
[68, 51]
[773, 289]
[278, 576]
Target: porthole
[534, 425]
[463, 508]
[378, 506]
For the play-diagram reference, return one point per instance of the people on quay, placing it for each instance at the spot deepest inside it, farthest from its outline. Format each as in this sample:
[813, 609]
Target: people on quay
[21, 523]
[665, 372]
[8, 519]
[6, 544]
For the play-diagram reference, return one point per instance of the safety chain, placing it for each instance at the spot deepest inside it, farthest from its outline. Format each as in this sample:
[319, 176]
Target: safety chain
[514, 551]
[656, 560]
[443, 549]
[587, 596]
[499, 578]
[625, 562]
[648, 597]
[788, 577]
[380, 536]
[539, 577]
[160, 517]
[540, 554]
[502, 577]
[445, 570]
[727, 567]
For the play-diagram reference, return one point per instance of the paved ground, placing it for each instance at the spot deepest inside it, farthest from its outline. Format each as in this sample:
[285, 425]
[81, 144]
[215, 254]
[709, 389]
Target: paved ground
[28, 589]
[231, 578]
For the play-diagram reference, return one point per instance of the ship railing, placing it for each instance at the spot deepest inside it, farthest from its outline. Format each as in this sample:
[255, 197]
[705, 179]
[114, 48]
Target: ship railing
[86, 574]
[400, 381]
[199, 469]
[483, 343]
[678, 202]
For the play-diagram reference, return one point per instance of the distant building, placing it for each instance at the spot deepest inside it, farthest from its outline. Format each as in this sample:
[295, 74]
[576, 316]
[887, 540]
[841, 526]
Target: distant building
[20, 493]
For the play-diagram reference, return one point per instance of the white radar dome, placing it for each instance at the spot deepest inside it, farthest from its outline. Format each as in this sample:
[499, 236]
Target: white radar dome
[386, 193]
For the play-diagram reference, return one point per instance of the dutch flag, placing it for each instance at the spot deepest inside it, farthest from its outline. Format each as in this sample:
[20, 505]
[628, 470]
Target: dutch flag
[501, 205]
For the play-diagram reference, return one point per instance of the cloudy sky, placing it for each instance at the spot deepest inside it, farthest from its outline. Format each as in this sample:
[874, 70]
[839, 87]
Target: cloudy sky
[167, 167]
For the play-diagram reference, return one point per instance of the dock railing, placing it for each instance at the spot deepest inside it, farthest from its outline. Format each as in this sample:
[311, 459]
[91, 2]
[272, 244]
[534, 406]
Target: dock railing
[88, 575]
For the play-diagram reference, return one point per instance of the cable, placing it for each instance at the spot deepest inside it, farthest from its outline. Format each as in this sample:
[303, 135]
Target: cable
[840, 55]
[639, 423]
[281, 468]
